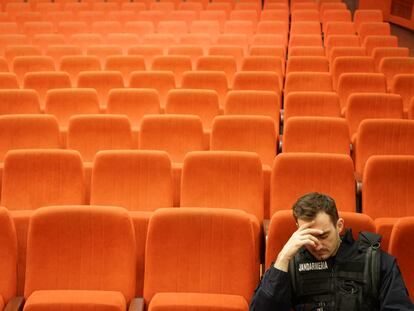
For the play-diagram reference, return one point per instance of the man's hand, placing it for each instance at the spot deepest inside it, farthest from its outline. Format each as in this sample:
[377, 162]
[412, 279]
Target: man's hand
[301, 237]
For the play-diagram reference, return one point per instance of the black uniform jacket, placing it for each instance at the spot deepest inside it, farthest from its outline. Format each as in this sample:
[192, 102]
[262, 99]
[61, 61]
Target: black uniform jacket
[274, 293]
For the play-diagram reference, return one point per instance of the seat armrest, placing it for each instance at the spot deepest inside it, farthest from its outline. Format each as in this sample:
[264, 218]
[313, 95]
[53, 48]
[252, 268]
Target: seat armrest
[266, 223]
[136, 304]
[15, 304]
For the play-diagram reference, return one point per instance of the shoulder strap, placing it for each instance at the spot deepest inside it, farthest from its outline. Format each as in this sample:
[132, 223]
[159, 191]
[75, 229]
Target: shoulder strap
[372, 243]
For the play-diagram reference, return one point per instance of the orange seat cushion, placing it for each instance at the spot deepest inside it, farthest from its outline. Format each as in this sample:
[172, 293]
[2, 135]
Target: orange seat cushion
[1, 302]
[197, 301]
[74, 300]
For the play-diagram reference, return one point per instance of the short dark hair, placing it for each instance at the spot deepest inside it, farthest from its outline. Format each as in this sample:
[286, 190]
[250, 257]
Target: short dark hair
[308, 206]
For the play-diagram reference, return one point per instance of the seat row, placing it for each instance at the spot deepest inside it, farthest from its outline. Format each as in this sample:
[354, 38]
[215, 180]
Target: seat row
[104, 241]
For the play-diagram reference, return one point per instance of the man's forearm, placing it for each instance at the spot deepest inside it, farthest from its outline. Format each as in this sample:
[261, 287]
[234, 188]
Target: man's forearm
[273, 293]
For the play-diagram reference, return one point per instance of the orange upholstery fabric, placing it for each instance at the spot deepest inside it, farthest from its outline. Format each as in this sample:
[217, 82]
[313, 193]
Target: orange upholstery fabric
[373, 29]
[387, 185]
[372, 42]
[28, 131]
[191, 250]
[258, 80]
[102, 82]
[366, 16]
[266, 103]
[345, 64]
[126, 64]
[8, 80]
[323, 104]
[162, 81]
[176, 134]
[362, 106]
[391, 66]
[403, 85]
[345, 51]
[282, 225]
[308, 81]
[360, 83]
[136, 180]
[74, 64]
[35, 178]
[105, 262]
[65, 300]
[178, 64]
[223, 179]
[295, 174]
[44, 81]
[24, 64]
[307, 63]
[90, 133]
[382, 137]
[204, 103]
[19, 102]
[400, 238]
[63, 103]
[8, 257]
[211, 80]
[245, 133]
[197, 301]
[316, 134]
[134, 103]
[384, 226]
[379, 53]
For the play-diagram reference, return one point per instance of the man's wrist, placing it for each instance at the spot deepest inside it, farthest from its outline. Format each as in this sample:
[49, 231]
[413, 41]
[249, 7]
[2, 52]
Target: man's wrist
[282, 263]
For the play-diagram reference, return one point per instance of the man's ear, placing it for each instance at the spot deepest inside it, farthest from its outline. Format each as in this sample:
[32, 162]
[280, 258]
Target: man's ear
[340, 225]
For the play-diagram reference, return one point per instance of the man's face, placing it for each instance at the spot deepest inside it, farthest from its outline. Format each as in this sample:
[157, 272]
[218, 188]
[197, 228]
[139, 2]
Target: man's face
[329, 240]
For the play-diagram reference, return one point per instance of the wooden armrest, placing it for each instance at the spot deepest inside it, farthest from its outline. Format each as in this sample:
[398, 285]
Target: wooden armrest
[136, 304]
[15, 304]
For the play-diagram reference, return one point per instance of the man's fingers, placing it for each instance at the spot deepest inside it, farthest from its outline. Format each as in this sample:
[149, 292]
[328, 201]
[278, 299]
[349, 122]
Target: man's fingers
[309, 237]
[306, 225]
[312, 231]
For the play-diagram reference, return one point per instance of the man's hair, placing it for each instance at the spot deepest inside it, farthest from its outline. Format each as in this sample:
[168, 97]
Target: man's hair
[308, 206]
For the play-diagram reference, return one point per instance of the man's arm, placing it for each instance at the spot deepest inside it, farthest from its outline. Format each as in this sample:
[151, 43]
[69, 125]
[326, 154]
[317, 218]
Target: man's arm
[273, 292]
[393, 293]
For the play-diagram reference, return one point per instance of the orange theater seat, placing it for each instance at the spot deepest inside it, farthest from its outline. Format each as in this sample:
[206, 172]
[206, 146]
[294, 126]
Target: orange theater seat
[392, 66]
[204, 103]
[262, 103]
[90, 133]
[64, 103]
[210, 80]
[213, 238]
[8, 255]
[383, 203]
[322, 104]
[361, 106]
[373, 133]
[349, 83]
[308, 81]
[177, 64]
[162, 81]
[110, 285]
[316, 134]
[403, 85]
[74, 64]
[141, 182]
[225, 63]
[175, 134]
[225, 179]
[19, 102]
[102, 82]
[126, 64]
[44, 81]
[8, 80]
[400, 235]
[379, 53]
[35, 178]
[344, 64]
[307, 63]
[25, 64]
[295, 174]
[282, 226]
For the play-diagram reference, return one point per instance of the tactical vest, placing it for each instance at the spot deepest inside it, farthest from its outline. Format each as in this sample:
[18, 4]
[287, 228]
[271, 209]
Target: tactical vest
[350, 281]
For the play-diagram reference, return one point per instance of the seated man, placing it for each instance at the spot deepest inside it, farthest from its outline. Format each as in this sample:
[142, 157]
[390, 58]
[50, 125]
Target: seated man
[317, 269]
